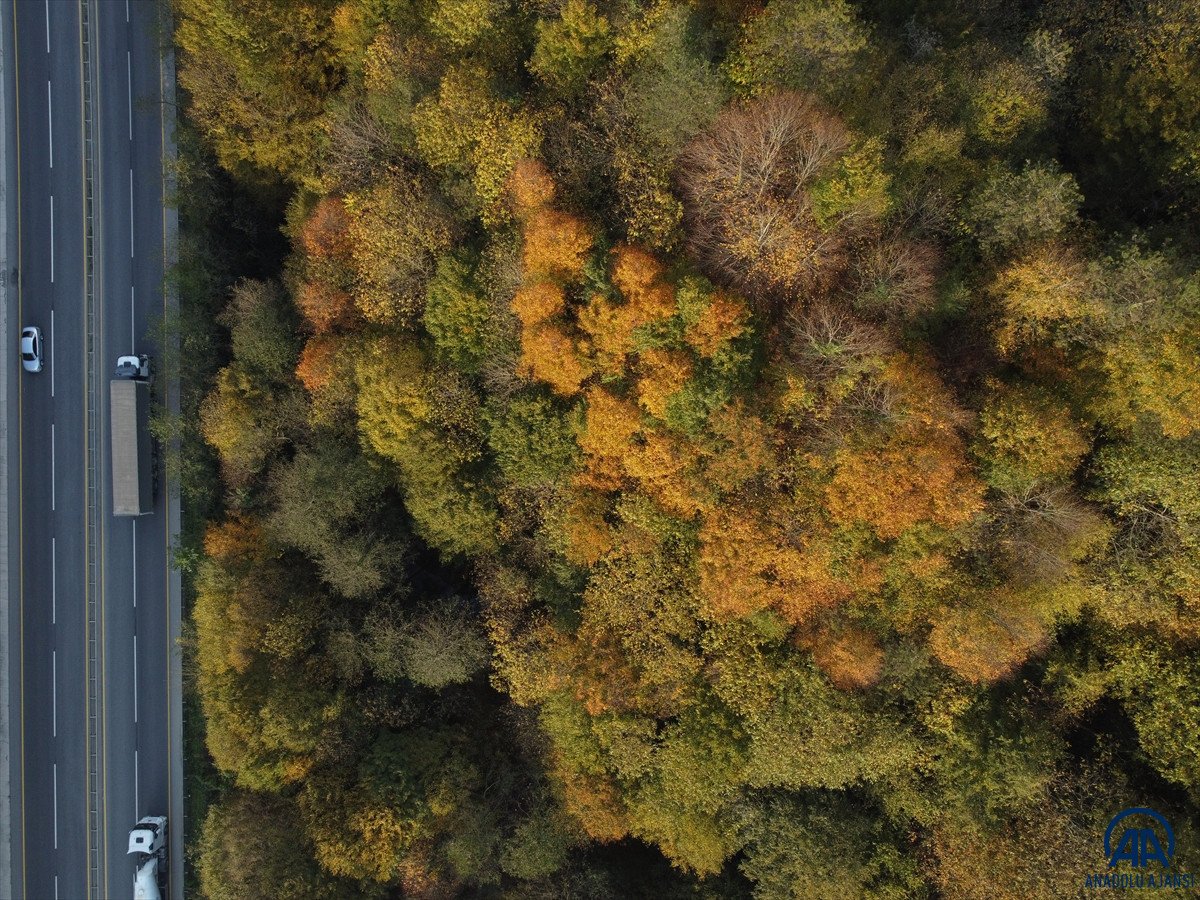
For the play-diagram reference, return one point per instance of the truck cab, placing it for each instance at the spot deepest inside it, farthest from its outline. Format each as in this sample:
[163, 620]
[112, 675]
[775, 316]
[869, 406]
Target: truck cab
[148, 836]
[133, 366]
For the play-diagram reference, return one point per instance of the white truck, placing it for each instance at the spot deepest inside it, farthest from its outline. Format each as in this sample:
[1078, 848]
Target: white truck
[148, 847]
[132, 449]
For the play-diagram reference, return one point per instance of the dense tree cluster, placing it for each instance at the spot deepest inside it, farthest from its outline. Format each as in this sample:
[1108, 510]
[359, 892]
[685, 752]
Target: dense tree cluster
[706, 449]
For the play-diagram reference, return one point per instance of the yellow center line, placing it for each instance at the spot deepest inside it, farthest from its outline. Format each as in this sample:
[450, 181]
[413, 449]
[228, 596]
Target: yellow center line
[101, 520]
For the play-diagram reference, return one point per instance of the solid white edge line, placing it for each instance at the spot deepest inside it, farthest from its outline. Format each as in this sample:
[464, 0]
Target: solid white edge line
[50, 119]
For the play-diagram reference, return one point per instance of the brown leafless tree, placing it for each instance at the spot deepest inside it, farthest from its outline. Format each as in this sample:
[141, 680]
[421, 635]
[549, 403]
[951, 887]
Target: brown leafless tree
[893, 279]
[745, 184]
[358, 147]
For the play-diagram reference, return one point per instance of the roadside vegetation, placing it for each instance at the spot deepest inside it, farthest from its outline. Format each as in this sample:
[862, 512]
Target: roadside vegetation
[689, 449]
[225, 233]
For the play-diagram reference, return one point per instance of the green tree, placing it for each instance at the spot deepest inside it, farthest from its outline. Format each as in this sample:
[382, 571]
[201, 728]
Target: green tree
[257, 75]
[364, 822]
[331, 502]
[802, 45]
[1028, 435]
[252, 845]
[826, 845]
[1012, 211]
[570, 48]
[1160, 691]
[443, 645]
[457, 314]
[401, 419]
[532, 439]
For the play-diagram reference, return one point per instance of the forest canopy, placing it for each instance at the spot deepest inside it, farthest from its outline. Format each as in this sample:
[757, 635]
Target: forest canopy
[700, 448]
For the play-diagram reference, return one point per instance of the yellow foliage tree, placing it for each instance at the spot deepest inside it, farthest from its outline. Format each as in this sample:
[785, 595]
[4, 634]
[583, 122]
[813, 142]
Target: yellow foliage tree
[392, 379]
[466, 127]
[1048, 288]
[1154, 376]
[661, 374]
[397, 231]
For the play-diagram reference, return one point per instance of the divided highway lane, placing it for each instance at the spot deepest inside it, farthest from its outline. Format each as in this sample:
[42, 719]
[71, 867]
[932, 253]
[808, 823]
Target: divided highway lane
[137, 774]
[137, 657]
[50, 788]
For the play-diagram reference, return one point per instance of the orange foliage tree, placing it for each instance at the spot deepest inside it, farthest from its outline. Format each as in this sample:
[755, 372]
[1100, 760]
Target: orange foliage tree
[850, 657]
[722, 320]
[325, 234]
[324, 306]
[531, 187]
[535, 303]
[748, 562]
[662, 374]
[610, 425]
[917, 473]
[549, 354]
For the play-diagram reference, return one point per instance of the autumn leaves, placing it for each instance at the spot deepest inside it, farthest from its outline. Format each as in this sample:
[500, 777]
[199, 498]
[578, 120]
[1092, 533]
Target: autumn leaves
[795, 472]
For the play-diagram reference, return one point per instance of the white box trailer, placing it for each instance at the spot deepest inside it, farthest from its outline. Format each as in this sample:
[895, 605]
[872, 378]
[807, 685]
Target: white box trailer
[132, 448]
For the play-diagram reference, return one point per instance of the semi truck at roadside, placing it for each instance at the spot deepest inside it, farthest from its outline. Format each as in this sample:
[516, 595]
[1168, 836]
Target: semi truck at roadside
[148, 847]
[132, 449]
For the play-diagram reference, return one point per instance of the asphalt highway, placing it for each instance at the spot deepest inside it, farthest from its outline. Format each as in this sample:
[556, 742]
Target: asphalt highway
[53, 846]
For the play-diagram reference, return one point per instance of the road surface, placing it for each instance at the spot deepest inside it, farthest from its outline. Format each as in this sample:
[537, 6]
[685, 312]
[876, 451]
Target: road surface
[119, 566]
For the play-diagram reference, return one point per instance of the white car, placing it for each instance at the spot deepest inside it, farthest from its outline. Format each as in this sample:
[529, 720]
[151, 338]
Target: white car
[31, 348]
